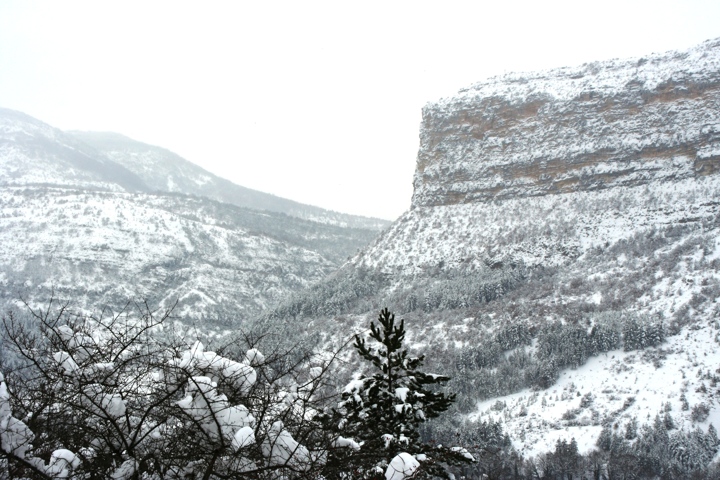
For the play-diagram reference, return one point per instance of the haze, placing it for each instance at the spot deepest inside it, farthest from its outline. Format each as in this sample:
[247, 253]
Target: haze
[319, 102]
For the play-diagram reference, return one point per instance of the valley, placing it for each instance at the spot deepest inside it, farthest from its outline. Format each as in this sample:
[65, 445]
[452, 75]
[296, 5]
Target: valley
[560, 261]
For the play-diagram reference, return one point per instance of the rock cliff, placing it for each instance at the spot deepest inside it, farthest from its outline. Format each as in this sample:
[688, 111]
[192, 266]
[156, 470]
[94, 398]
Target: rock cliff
[603, 124]
[575, 200]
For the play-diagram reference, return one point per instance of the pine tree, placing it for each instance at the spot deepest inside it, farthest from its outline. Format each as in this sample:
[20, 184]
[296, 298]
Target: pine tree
[566, 457]
[383, 411]
[668, 421]
[712, 436]
[631, 429]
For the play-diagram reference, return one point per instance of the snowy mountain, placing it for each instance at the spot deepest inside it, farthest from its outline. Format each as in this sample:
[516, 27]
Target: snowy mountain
[100, 248]
[557, 218]
[80, 226]
[164, 171]
[619, 123]
[33, 152]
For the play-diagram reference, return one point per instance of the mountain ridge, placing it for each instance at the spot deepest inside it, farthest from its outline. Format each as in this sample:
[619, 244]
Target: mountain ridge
[166, 171]
[31, 151]
[79, 225]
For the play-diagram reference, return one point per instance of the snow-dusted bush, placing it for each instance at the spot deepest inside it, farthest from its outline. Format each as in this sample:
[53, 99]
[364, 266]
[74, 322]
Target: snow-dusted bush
[700, 412]
[124, 397]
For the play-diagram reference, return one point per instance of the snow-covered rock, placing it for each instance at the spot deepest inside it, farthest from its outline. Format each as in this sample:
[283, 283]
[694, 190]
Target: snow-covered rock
[600, 125]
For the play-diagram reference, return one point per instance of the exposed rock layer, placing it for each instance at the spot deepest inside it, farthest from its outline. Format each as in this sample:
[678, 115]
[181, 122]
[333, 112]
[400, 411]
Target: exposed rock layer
[573, 129]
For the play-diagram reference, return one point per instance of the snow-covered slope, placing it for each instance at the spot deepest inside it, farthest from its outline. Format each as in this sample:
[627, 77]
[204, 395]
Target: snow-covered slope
[33, 152]
[165, 171]
[97, 249]
[618, 386]
[550, 230]
[77, 223]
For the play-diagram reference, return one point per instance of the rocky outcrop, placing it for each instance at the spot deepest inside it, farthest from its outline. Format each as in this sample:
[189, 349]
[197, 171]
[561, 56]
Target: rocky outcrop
[603, 124]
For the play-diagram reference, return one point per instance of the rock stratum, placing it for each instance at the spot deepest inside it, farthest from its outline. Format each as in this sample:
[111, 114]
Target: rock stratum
[596, 126]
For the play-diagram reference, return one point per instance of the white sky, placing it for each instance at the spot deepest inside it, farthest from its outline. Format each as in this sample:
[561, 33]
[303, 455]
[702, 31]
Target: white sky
[314, 101]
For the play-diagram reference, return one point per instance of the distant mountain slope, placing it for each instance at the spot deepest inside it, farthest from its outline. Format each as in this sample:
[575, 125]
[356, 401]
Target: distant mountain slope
[33, 152]
[556, 214]
[76, 223]
[102, 249]
[165, 171]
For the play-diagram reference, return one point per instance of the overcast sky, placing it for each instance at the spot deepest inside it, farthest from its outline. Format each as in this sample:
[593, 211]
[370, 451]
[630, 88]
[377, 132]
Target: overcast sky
[318, 102]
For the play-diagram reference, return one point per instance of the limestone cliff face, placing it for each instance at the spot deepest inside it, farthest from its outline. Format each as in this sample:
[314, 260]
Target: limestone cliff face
[591, 127]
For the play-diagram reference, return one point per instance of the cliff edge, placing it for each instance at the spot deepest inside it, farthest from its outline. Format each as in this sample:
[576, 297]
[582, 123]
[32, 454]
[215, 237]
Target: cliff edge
[599, 125]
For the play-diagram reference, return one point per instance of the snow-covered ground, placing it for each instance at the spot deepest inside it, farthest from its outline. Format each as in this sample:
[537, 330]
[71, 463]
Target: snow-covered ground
[546, 230]
[616, 386]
